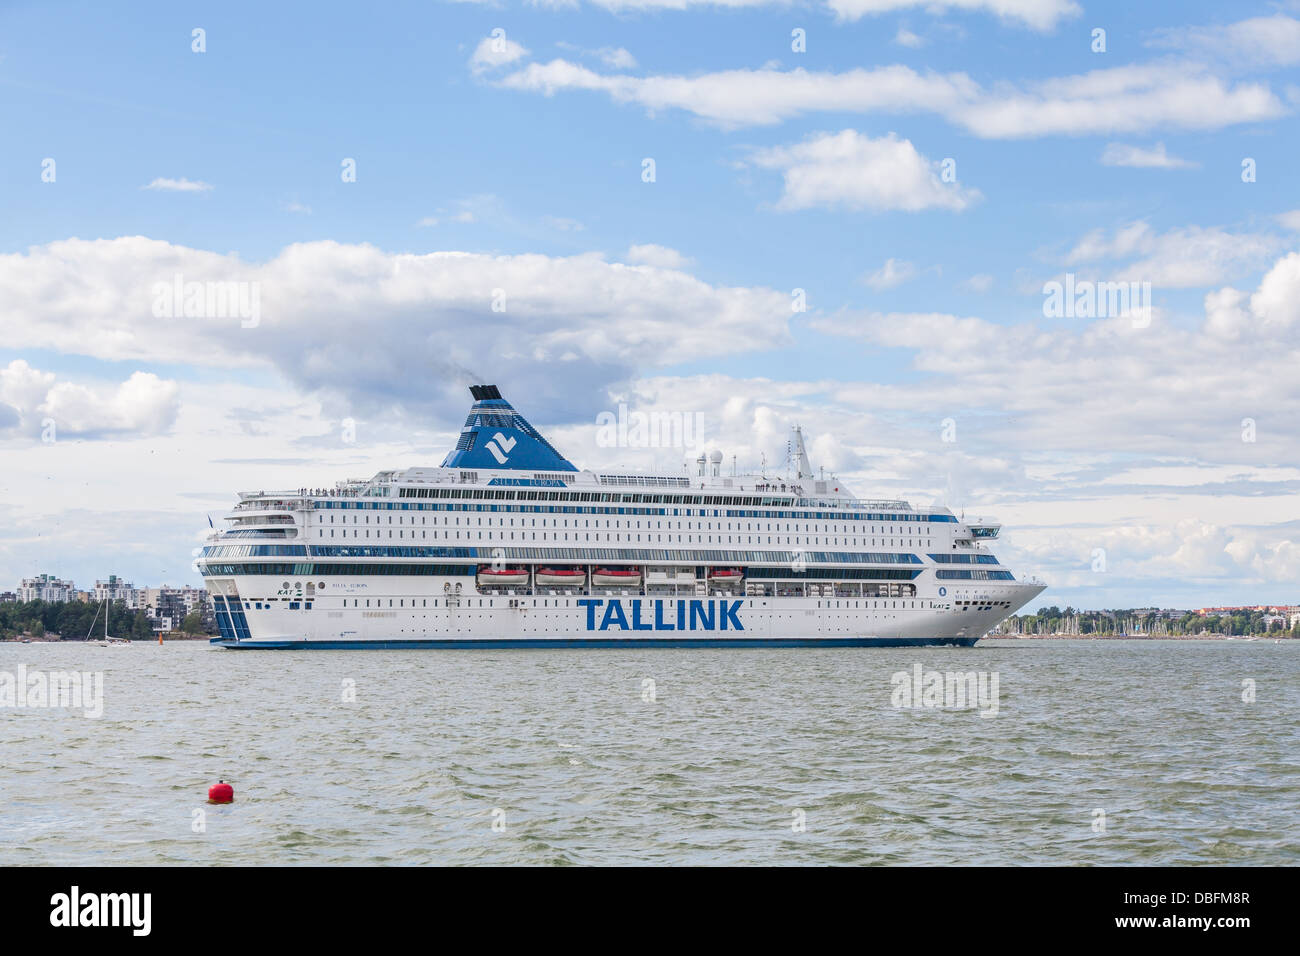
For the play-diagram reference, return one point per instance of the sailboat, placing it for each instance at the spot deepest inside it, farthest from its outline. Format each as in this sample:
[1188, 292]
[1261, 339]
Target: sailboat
[107, 641]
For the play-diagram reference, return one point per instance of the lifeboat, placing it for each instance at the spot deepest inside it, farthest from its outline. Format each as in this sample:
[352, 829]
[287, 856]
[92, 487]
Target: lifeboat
[489, 576]
[561, 577]
[725, 575]
[616, 577]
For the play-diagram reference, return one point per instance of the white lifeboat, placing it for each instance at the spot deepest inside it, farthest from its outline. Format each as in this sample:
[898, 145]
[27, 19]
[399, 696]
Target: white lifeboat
[489, 576]
[561, 577]
[616, 577]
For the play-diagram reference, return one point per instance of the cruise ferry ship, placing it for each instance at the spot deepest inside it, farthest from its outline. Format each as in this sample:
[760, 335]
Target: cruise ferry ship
[508, 544]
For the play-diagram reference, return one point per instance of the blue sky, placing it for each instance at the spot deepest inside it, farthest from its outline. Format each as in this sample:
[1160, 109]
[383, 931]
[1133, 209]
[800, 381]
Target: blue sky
[775, 170]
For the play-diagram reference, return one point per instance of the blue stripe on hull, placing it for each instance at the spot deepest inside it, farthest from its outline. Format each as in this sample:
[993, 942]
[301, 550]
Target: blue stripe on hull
[525, 643]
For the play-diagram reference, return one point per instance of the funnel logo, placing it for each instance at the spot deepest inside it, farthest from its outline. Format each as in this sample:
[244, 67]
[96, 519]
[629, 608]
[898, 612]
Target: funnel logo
[500, 447]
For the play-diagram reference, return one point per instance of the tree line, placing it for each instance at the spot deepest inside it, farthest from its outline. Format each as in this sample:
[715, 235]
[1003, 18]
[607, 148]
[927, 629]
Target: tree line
[72, 620]
[1054, 620]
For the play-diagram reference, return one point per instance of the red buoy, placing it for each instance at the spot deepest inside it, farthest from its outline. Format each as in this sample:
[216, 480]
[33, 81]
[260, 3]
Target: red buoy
[221, 792]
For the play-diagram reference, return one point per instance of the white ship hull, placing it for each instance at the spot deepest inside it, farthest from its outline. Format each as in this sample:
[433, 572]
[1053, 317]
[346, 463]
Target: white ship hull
[606, 618]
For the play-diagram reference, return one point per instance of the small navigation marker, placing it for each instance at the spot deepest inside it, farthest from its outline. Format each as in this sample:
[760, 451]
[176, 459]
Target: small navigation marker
[221, 792]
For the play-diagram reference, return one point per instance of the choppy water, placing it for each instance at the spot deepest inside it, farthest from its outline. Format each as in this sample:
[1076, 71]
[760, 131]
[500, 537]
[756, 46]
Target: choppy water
[561, 748]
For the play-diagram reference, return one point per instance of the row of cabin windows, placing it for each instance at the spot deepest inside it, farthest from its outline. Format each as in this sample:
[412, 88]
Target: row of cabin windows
[687, 539]
[587, 523]
[715, 505]
[827, 537]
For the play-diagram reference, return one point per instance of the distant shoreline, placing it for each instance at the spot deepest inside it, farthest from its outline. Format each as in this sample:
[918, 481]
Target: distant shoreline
[92, 640]
[1138, 637]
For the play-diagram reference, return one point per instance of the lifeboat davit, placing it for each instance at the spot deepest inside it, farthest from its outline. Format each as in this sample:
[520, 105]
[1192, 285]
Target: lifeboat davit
[561, 577]
[616, 577]
[726, 574]
[489, 576]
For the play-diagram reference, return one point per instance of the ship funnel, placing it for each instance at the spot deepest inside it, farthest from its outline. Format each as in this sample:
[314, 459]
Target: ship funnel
[495, 436]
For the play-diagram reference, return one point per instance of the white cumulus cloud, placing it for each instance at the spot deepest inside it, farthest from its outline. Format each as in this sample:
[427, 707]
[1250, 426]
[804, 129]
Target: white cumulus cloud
[1040, 15]
[662, 257]
[1179, 258]
[144, 404]
[162, 184]
[855, 171]
[1154, 157]
[376, 329]
[1271, 41]
[1126, 99]
[494, 52]
[893, 273]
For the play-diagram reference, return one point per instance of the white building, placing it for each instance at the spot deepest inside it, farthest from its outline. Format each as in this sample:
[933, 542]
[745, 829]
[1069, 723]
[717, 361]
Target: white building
[45, 587]
[174, 601]
[159, 621]
[188, 596]
[115, 589]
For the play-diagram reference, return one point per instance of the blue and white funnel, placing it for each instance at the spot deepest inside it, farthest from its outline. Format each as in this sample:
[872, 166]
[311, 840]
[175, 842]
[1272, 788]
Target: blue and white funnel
[497, 436]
